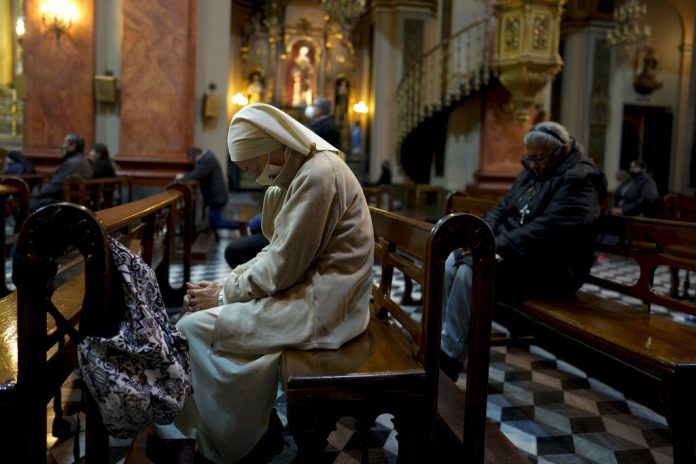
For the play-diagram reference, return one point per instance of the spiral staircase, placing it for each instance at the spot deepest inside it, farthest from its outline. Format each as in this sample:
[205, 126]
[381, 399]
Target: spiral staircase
[445, 75]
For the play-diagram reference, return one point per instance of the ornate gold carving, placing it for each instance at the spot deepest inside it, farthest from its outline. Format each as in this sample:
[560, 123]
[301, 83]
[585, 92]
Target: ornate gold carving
[527, 50]
[512, 33]
[540, 32]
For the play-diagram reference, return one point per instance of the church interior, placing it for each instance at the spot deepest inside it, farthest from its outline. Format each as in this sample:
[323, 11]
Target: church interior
[438, 93]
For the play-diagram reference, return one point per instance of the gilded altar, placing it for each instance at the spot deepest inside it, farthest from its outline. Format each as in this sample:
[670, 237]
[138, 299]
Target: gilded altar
[293, 55]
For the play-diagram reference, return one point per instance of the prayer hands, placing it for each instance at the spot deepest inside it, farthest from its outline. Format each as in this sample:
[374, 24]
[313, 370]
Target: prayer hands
[201, 295]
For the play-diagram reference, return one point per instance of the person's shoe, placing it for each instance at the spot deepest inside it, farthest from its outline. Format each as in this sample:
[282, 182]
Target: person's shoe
[451, 367]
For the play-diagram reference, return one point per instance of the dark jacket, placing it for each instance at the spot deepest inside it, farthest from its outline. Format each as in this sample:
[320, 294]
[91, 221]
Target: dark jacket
[72, 163]
[17, 163]
[103, 168]
[208, 173]
[544, 228]
[637, 196]
[326, 128]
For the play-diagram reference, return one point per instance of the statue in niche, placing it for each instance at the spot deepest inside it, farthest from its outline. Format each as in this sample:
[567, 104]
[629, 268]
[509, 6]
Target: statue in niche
[647, 63]
[342, 97]
[255, 87]
[301, 86]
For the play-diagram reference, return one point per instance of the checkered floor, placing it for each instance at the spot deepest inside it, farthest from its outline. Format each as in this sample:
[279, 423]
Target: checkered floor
[552, 411]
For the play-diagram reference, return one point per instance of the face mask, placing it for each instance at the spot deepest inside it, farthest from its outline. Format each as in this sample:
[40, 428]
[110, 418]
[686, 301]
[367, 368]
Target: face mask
[269, 173]
[309, 112]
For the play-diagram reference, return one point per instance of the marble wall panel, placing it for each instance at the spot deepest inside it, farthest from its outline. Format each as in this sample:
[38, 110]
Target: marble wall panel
[502, 137]
[157, 80]
[59, 81]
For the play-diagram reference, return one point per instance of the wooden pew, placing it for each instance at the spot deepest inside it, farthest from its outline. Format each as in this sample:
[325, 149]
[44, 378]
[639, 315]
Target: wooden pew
[96, 193]
[461, 202]
[14, 200]
[62, 262]
[35, 180]
[646, 356]
[394, 366]
[376, 196]
[493, 194]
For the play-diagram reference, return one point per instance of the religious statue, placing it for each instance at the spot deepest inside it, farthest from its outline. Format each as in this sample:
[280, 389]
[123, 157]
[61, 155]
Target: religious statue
[301, 85]
[342, 97]
[255, 88]
[645, 81]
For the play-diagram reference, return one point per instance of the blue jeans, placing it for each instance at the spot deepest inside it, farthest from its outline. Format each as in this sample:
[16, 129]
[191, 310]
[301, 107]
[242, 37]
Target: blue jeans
[254, 224]
[215, 220]
[457, 306]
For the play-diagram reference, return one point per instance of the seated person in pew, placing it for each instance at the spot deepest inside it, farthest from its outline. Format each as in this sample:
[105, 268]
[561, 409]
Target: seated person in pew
[544, 231]
[17, 163]
[637, 195]
[74, 162]
[102, 166]
[309, 288]
[208, 173]
[247, 246]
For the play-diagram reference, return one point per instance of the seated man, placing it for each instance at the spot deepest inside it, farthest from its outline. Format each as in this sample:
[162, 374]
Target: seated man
[637, 195]
[544, 234]
[322, 121]
[208, 173]
[74, 162]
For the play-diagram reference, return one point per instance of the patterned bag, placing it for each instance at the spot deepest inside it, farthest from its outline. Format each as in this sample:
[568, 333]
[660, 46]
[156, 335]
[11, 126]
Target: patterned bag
[142, 374]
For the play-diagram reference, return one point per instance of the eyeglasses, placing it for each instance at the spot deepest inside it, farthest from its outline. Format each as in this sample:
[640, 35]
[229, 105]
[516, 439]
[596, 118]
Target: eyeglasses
[537, 159]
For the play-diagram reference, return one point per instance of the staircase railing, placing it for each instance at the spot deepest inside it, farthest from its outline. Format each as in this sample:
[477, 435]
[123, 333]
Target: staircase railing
[446, 73]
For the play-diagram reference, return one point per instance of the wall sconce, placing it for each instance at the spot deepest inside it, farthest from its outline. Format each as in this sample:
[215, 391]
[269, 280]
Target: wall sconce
[239, 99]
[211, 103]
[20, 29]
[360, 107]
[105, 88]
[58, 15]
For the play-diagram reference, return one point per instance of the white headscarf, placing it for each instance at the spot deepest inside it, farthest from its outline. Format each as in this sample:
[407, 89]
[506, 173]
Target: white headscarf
[260, 128]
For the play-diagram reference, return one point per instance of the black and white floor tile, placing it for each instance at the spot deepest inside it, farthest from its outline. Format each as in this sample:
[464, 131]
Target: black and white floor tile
[552, 411]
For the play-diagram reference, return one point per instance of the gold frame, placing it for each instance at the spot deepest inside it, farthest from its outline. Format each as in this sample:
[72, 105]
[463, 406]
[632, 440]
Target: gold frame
[105, 89]
[211, 106]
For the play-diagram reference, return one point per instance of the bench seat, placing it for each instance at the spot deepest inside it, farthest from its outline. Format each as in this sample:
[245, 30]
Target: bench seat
[650, 341]
[357, 363]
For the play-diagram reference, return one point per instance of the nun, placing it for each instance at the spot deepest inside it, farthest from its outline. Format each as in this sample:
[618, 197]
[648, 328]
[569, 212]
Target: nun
[309, 288]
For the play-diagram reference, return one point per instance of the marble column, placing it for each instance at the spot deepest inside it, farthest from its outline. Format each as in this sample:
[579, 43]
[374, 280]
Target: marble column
[158, 107]
[385, 78]
[59, 72]
[684, 120]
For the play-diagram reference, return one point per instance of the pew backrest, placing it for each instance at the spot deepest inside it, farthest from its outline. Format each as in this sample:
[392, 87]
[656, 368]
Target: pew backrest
[96, 193]
[62, 263]
[14, 201]
[461, 202]
[651, 243]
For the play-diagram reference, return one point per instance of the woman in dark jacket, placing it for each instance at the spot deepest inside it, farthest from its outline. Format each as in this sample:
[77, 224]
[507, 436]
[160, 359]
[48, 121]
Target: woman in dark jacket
[101, 162]
[544, 234]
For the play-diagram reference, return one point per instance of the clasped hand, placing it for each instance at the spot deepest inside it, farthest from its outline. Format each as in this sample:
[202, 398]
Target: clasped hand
[201, 295]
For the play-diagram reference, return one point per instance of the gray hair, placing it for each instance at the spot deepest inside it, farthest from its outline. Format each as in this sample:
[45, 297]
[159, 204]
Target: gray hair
[323, 104]
[548, 133]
